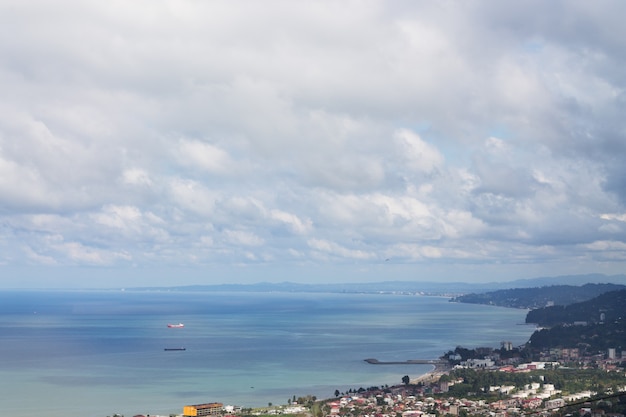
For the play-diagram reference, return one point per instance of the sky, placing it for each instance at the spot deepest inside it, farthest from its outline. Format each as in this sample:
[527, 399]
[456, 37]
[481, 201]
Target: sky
[170, 142]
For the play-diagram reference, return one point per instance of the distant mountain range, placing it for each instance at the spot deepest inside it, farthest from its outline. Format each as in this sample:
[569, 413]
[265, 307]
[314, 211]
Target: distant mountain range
[412, 287]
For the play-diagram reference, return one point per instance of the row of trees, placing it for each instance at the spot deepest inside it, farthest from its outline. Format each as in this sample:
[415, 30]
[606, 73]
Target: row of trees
[308, 400]
[360, 390]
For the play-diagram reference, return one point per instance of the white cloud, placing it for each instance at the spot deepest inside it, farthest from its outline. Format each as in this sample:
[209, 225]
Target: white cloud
[614, 216]
[607, 245]
[75, 252]
[130, 224]
[38, 258]
[205, 156]
[293, 222]
[136, 176]
[119, 217]
[218, 133]
[333, 250]
[414, 252]
[421, 156]
[240, 237]
[191, 196]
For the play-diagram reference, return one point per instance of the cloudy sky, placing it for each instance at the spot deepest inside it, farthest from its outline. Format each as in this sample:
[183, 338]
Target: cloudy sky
[172, 142]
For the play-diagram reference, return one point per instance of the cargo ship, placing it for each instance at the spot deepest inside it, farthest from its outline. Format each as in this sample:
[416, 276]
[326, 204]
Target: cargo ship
[180, 348]
[175, 325]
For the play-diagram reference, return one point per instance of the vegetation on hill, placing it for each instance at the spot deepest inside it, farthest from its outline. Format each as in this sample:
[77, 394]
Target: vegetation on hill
[592, 326]
[533, 298]
[589, 339]
[606, 307]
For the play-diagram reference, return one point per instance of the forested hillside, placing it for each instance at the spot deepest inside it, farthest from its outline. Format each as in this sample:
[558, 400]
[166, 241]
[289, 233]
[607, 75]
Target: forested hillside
[593, 326]
[591, 338]
[533, 298]
[603, 308]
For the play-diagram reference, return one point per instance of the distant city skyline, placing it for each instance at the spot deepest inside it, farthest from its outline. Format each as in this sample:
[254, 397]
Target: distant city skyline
[167, 143]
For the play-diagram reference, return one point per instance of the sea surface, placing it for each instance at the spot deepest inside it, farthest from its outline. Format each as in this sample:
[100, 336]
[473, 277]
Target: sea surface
[96, 353]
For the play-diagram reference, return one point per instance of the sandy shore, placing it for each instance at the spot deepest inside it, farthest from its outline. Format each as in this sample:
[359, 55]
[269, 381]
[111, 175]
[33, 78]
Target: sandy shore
[439, 368]
[432, 376]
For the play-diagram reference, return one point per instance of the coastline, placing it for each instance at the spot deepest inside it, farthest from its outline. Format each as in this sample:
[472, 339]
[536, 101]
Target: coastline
[316, 352]
[439, 368]
[433, 375]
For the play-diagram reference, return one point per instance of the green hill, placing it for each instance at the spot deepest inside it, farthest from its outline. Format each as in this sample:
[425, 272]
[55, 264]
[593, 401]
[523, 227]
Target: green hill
[606, 307]
[594, 325]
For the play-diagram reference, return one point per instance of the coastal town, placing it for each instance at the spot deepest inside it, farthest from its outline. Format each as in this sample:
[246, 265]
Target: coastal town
[570, 368]
[436, 393]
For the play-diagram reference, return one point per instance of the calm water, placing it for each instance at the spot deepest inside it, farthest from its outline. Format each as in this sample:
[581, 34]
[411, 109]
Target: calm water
[97, 353]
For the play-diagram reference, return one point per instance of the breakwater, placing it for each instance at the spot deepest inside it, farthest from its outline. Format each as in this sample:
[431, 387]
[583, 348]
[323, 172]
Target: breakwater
[407, 362]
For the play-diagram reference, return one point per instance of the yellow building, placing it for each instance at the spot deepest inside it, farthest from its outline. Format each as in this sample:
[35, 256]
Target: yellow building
[199, 410]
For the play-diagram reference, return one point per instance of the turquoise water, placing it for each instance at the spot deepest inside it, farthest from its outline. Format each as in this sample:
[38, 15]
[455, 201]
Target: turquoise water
[98, 353]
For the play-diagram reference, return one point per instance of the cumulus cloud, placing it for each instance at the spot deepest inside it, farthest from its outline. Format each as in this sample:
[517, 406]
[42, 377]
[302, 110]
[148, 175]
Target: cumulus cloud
[240, 237]
[205, 156]
[136, 176]
[240, 135]
[327, 249]
[292, 222]
[420, 156]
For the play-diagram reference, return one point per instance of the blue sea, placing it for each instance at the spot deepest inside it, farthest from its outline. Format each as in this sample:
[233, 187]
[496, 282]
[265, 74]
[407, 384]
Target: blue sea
[96, 353]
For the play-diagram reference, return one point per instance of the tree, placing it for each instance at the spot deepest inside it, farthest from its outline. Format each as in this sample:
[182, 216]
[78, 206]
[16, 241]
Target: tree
[406, 380]
[336, 393]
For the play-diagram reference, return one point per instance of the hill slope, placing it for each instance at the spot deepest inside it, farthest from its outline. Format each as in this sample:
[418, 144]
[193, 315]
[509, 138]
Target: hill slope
[606, 307]
[605, 318]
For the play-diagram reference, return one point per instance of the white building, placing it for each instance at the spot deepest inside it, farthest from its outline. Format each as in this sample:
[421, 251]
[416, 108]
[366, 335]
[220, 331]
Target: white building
[556, 403]
[478, 363]
[611, 353]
